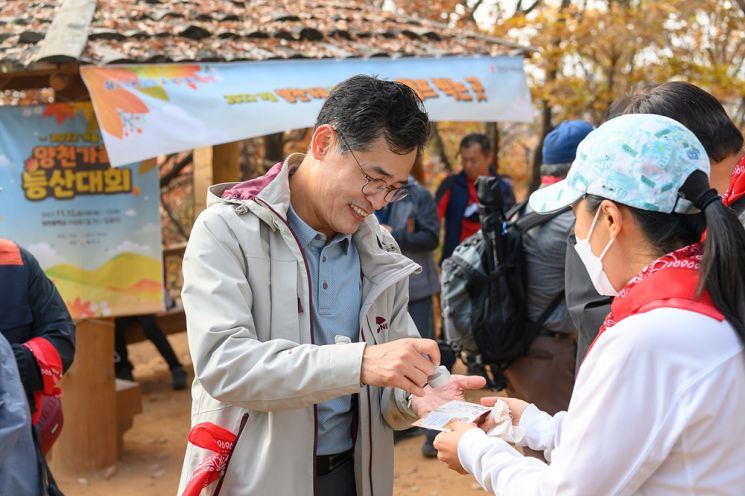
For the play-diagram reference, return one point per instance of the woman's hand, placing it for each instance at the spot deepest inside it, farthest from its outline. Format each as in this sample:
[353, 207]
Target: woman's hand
[446, 444]
[453, 390]
[517, 407]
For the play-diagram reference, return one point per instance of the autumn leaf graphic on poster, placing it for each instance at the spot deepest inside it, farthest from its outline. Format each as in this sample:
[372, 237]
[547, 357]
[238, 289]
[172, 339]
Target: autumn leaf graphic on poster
[116, 92]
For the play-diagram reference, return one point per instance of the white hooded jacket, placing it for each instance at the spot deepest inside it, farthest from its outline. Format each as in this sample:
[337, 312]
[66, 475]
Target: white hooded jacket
[258, 374]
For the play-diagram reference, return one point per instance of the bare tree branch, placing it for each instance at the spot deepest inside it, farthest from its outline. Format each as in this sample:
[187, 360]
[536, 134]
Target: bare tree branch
[535, 4]
[179, 226]
[519, 7]
[440, 147]
[175, 170]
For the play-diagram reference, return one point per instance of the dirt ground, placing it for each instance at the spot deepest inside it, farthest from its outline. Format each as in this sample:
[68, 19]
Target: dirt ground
[150, 463]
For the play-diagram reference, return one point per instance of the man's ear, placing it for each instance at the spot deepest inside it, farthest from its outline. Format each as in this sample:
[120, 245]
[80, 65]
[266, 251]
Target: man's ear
[323, 139]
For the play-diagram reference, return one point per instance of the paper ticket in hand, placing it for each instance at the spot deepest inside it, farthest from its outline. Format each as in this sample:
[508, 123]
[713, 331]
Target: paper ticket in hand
[445, 416]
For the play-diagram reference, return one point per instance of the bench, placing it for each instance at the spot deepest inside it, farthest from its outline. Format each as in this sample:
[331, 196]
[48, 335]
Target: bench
[128, 404]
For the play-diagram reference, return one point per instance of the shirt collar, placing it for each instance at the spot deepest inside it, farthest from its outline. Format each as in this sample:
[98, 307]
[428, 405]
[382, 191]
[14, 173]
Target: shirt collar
[309, 236]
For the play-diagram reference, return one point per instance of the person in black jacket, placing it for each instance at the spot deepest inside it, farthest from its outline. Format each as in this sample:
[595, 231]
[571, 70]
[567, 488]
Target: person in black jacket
[706, 118]
[414, 224]
[35, 320]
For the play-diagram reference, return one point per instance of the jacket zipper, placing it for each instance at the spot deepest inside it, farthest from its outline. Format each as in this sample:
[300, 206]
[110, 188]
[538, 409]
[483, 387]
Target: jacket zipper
[312, 336]
[244, 420]
[312, 340]
[369, 424]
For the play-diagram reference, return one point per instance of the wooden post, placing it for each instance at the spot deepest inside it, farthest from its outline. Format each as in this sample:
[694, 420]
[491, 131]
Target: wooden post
[214, 165]
[225, 163]
[202, 177]
[88, 440]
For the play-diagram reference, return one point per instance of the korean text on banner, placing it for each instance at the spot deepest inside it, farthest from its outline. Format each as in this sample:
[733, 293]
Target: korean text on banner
[149, 110]
[94, 229]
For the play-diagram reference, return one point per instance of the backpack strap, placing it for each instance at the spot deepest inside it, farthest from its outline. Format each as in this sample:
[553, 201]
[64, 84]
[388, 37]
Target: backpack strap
[534, 219]
[516, 208]
[49, 485]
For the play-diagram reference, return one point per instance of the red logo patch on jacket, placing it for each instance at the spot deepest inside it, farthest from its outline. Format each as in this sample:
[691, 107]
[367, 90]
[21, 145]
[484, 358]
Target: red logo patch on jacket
[381, 323]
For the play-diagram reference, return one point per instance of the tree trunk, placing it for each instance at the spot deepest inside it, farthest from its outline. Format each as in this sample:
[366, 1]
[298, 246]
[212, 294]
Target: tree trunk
[440, 147]
[546, 127]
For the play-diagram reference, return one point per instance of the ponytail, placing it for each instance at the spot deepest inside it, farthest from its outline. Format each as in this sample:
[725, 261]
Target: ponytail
[722, 271]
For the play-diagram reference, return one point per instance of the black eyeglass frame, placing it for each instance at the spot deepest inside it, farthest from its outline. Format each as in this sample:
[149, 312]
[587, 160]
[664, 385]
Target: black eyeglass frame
[392, 194]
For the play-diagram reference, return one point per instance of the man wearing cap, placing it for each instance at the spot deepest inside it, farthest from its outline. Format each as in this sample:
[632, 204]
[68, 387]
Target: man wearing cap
[545, 375]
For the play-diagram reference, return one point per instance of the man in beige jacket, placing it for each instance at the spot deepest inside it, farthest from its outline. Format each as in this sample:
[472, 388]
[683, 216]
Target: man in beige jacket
[296, 302]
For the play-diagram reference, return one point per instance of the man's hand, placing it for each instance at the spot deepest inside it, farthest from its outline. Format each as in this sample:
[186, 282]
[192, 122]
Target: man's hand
[446, 444]
[454, 390]
[402, 363]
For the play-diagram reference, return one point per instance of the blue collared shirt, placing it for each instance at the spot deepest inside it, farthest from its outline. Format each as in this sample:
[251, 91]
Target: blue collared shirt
[336, 291]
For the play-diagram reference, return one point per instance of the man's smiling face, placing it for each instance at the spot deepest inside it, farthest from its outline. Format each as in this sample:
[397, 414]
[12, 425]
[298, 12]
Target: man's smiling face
[339, 203]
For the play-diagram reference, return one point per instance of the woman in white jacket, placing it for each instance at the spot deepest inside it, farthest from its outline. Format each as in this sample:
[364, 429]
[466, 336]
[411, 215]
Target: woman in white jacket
[658, 401]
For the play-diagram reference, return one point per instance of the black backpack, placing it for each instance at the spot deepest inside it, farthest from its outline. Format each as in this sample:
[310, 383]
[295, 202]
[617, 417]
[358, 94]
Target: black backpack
[484, 286]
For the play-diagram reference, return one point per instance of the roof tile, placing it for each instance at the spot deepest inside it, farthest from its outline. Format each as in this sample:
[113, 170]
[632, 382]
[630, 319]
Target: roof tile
[133, 31]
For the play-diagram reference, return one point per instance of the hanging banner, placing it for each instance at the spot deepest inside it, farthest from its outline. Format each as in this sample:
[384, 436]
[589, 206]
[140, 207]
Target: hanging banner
[149, 110]
[94, 229]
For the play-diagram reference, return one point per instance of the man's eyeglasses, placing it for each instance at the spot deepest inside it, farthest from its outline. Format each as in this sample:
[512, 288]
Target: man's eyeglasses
[374, 186]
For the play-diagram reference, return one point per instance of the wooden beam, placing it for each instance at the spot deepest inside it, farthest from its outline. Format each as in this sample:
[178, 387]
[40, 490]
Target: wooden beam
[68, 34]
[24, 83]
[41, 78]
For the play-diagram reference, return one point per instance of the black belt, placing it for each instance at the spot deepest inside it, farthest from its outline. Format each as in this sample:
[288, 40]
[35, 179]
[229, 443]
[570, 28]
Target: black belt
[328, 463]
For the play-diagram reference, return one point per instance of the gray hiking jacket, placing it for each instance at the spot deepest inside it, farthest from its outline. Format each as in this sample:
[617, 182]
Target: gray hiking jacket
[19, 467]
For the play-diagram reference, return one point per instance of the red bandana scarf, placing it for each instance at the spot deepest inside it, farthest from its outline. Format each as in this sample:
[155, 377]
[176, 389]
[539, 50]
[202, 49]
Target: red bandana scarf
[736, 185]
[669, 282]
[221, 443]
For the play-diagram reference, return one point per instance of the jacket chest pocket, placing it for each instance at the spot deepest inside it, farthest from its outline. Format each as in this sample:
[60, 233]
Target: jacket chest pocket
[285, 303]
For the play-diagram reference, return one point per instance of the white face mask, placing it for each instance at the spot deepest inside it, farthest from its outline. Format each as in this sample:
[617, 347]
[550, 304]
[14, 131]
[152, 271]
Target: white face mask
[594, 264]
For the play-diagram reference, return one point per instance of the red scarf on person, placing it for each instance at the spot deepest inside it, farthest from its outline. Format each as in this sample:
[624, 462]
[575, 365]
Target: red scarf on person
[221, 443]
[736, 184]
[668, 282]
